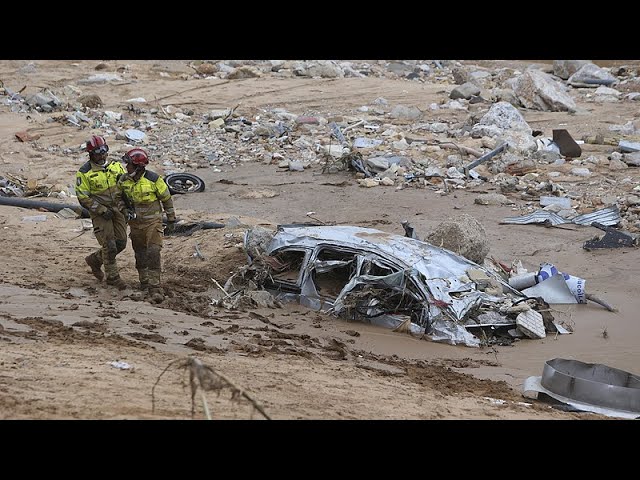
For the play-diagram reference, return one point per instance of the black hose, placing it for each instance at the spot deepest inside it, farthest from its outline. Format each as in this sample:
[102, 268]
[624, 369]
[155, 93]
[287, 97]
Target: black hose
[184, 229]
[39, 204]
[180, 229]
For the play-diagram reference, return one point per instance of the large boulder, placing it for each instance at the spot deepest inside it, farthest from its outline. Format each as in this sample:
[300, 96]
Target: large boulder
[505, 123]
[591, 76]
[539, 91]
[500, 117]
[463, 235]
[565, 68]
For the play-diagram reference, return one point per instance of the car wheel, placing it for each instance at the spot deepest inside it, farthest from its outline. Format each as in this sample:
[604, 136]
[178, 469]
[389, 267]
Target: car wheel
[184, 183]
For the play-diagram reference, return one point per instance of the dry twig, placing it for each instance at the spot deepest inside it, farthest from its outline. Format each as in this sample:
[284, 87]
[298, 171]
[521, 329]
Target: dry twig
[199, 253]
[205, 377]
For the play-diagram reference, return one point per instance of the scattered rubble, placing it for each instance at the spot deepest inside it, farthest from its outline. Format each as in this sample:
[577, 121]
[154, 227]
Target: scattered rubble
[380, 134]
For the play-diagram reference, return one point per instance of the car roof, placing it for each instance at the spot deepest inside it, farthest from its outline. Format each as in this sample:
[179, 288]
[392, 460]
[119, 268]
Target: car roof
[430, 260]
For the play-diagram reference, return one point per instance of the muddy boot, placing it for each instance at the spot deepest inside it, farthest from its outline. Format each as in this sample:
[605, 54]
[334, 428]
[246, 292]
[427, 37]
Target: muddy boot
[156, 295]
[95, 263]
[143, 275]
[117, 282]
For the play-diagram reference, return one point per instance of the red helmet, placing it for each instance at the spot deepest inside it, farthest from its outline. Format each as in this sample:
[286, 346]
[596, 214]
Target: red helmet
[137, 156]
[97, 143]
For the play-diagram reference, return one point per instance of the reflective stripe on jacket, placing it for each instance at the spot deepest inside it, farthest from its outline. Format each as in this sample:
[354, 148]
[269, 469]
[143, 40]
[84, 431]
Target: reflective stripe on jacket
[97, 189]
[148, 195]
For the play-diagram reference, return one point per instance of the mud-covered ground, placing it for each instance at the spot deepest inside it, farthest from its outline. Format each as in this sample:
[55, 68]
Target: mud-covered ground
[61, 331]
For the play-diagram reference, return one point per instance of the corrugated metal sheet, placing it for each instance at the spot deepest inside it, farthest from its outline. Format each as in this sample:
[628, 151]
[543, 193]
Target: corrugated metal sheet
[540, 216]
[607, 216]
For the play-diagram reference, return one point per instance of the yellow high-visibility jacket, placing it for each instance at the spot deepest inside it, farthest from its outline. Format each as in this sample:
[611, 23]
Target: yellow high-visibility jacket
[148, 196]
[97, 187]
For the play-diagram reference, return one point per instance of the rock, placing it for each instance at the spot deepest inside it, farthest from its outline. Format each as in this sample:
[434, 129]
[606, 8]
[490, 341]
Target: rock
[615, 164]
[565, 68]
[505, 95]
[368, 182]
[400, 145]
[519, 142]
[454, 105]
[215, 124]
[590, 75]
[632, 159]
[606, 94]
[387, 181]
[295, 166]
[466, 91]
[258, 240]
[632, 200]
[546, 156]
[438, 127]
[111, 117]
[321, 68]
[246, 71]
[503, 116]
[402, 112]
[206, 69]
[463, 235]
[400, 69]
[479, 277]
[100, 78]
[460, 76]
[581, 172]
[90, 101]
[538, 91]
[491, 199]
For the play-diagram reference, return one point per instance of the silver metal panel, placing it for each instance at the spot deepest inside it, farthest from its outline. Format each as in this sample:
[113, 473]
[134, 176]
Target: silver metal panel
[539, 216]
[607, 216]
[553, 290]
[589, 386]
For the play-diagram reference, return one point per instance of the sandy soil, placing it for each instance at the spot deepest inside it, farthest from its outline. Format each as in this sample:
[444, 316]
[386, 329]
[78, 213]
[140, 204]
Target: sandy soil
[60, 330]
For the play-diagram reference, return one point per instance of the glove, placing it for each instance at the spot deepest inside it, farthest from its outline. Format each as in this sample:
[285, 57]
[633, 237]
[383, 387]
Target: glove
[107, 214]
[170, 227]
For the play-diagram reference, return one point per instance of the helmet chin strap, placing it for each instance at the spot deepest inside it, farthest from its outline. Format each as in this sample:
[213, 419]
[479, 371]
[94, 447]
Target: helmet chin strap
[137, 173]
[101, 164]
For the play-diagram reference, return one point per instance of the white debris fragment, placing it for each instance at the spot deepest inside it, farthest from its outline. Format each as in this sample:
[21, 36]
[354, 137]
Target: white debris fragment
[530, 323]
[496, 401]
[120, 365]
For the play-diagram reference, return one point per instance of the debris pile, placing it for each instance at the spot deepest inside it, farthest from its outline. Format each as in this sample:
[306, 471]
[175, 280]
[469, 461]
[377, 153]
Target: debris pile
[394, 281]
[475, 135]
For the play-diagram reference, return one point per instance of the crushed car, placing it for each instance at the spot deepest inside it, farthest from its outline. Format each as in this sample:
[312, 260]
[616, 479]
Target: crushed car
[389, 280]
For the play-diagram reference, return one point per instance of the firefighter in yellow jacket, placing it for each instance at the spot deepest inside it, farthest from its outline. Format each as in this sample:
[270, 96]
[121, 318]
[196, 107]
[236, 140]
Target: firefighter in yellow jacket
[146, 195]
[98, 192]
